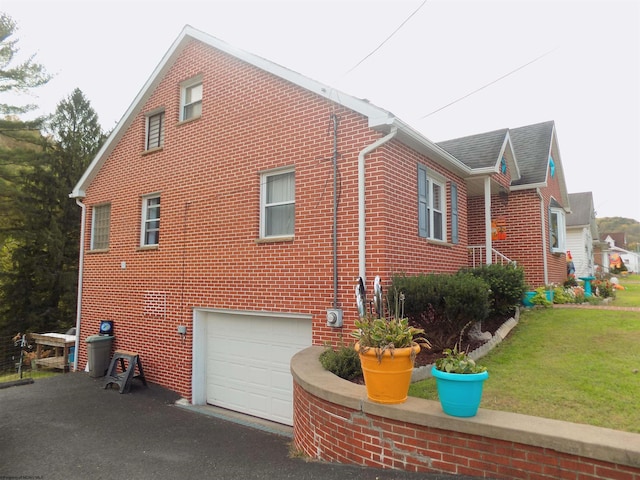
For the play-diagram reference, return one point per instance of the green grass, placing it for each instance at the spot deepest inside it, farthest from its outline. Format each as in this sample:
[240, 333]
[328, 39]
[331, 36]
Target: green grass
[630, 296]
[10, 377]
[577, 365]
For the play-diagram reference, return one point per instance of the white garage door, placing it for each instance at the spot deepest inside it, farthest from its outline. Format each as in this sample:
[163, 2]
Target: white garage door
[247, 363]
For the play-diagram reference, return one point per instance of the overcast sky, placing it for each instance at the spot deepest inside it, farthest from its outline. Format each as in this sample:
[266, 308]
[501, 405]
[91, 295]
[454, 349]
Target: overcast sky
[574, 62]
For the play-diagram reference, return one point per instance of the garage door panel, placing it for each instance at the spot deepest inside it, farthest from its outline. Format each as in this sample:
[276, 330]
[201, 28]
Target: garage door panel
[247, 363]
[281, 381]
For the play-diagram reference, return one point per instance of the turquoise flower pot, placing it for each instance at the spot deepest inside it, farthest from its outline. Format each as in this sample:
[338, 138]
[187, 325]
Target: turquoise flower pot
[526, 301]
[459, 393]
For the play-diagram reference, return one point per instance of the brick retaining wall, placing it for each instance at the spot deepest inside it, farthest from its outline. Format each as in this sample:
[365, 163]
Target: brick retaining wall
[333, 421]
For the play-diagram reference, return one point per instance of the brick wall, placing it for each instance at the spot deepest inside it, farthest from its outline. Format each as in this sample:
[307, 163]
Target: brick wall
[208, 178]
[524, 242]
[334, 423]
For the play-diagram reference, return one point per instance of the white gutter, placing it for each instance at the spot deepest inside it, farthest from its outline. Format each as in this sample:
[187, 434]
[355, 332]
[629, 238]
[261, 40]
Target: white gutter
[80, 269]
[488, 257]
[544, 238]
[362, 241]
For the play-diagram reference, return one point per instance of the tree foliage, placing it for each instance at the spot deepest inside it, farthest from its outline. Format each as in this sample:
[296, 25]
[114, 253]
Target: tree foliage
[39, 290]
[620, 224]
[20, 141]
[16, 77]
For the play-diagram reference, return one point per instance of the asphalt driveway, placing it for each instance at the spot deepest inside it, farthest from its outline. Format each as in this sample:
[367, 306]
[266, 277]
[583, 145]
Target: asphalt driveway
[68, 427]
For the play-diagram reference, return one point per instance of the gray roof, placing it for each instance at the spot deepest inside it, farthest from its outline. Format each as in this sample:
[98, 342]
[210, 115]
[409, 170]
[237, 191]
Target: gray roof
[532, 145]
[477, 151]
[581, 209]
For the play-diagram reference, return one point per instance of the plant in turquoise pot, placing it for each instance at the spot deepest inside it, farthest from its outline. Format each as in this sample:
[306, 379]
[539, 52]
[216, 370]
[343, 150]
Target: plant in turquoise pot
[459, 380]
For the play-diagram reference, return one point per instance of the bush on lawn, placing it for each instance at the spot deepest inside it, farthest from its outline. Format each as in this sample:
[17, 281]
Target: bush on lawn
[443, 304]
[507, 286]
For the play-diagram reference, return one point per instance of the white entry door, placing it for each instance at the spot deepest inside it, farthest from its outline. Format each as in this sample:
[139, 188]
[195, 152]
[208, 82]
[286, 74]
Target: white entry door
[248, 362]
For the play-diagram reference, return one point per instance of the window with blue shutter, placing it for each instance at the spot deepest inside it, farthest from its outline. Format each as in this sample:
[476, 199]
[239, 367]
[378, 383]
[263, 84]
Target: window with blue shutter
[432, 205]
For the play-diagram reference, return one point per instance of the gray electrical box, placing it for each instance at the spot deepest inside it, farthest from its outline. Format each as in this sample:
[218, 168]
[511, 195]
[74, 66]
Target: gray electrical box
[334, 317]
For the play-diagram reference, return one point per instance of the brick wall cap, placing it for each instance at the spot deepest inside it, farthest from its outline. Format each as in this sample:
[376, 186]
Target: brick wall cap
[576, 439]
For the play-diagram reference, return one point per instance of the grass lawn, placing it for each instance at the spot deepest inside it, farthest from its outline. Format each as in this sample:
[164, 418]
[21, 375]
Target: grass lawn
[577, 365]
[630, 296]
[10, 377]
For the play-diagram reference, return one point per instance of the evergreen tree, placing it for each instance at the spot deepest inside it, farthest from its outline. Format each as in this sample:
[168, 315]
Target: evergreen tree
[18, 139]
[18, 78]
[39, 294]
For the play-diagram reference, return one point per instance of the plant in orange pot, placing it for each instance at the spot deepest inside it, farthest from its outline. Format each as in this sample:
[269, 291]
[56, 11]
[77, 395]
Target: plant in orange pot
[387, 348]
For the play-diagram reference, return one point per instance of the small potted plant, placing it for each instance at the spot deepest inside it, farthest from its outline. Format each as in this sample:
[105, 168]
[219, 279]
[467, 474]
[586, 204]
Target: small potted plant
[459, 380]
[387, 348]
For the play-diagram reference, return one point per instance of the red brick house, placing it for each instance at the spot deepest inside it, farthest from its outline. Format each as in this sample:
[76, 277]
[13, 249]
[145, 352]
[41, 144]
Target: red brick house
[242, 201]
[520, 214]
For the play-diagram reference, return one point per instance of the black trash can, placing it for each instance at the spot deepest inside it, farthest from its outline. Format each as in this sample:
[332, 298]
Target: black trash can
[99, 354]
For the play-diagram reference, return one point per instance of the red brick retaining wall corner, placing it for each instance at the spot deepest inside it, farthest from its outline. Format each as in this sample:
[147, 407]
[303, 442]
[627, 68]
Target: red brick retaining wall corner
[333, 421]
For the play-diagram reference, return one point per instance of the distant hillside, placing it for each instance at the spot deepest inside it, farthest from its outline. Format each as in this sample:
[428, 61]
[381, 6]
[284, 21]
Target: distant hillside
[619, 224]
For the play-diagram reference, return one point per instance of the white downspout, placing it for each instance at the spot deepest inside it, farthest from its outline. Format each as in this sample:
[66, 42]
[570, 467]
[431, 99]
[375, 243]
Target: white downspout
[544, 238]
[80, 270]
[362, 242]
[487, 222]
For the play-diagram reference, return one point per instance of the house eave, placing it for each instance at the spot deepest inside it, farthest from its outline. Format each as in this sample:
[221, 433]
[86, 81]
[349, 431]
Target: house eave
[378, 118]
[528, 186]
[418, 142]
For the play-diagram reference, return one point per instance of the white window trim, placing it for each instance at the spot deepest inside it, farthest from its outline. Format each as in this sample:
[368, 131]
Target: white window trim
[144, 219]
[263, 202]
[562, 230]
[93, 226]
[184, 86]
[435, 178]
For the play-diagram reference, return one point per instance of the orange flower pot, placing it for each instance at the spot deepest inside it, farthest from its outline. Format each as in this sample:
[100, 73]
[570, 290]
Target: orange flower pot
[387, 381]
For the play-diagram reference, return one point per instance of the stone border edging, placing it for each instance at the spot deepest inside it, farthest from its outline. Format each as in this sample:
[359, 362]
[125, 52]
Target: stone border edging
[424, 372]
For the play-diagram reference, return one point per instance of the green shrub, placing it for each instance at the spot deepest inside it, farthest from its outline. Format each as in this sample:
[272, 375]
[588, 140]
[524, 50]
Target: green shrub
[343, 362]
[603, 288]
[443, 303]
[507, 285]
[563, 295]
[540, 298]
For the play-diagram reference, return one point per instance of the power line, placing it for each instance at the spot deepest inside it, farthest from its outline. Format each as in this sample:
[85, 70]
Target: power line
[386, 39]
[489, 84]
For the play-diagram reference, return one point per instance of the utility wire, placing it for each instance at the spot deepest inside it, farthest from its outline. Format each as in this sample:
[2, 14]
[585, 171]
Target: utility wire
[386, 39]
[488, 84]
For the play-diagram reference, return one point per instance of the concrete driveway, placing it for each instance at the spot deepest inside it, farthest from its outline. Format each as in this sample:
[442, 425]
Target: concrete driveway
[69, 427]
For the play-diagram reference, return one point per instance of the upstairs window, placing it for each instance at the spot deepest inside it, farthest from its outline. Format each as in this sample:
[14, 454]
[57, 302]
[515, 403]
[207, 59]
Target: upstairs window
[150, 232]
[100, 227]
[432, 219]
[278, 204]
[557, 230]
[155, 131]
[191, 100]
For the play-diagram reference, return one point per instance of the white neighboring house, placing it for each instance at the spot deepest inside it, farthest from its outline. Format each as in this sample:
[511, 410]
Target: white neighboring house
[630, 259]
[582, 231]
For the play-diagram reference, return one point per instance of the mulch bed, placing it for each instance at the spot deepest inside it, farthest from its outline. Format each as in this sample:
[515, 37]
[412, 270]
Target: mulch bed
[429, 356]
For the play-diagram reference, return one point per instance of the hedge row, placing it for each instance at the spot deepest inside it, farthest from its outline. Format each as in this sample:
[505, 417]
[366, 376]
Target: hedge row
[447, 303]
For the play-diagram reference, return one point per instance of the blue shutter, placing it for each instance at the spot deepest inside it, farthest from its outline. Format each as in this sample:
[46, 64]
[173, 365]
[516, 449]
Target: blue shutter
[454, 213]
[422, 201]
[550, 230]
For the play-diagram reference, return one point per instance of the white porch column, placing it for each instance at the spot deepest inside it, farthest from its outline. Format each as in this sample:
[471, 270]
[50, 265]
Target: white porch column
[487, 221]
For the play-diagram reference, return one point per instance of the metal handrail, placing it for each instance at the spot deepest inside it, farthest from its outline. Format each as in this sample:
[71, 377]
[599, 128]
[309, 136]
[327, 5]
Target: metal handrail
[478, 256]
